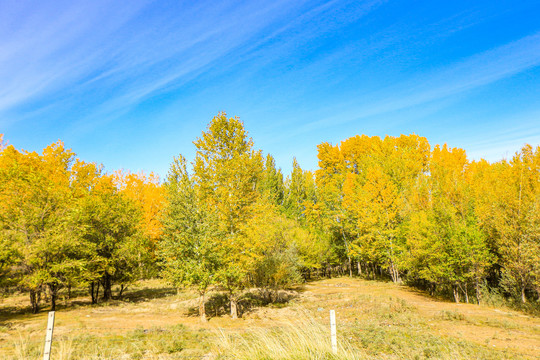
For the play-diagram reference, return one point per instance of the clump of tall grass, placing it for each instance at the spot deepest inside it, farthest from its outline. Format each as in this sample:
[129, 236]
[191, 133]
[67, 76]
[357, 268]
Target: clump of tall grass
[25, 347]
[304, 339]
[451, 315]
[64, 348]
[491, 296]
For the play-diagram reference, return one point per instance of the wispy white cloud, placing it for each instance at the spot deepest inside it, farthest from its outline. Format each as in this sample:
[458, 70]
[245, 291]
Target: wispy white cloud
[53, 46]
[188, 51]
[473, 72]
[214, 42]
[59, 49]
[97, 60]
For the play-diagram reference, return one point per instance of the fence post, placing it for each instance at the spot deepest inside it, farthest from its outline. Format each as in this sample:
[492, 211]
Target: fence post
[48, 337]
[333, 331]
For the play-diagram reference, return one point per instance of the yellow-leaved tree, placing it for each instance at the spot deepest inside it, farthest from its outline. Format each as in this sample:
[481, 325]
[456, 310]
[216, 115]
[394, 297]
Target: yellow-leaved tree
[34, 218]
[148, 194]
[509, 210]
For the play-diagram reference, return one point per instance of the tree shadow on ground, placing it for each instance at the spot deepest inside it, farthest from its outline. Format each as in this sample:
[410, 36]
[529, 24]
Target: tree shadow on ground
[79, 298]
[12, 313]
[218, 303]
[145, 294]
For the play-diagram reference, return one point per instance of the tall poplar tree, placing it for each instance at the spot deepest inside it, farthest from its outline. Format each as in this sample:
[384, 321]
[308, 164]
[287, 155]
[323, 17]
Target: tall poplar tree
[272, 186]
[517, 222]
[189, 244]
[227, 171]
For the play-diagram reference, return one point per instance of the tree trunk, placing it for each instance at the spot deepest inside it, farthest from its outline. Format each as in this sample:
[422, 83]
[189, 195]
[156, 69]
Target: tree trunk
[202, 310]
[359, 268]
[34, 301]
[234, 307]
[477, 290]
[92, 297]
[394, 273]
[53, 288]
[94, 291]
[44, 292]
[107, 287]
[456, 293]
[350, 267]
[122, 288]
[53, 303]
[523, 297]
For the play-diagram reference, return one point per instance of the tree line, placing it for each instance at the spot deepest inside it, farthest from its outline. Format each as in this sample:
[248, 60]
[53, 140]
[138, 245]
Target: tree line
[66, 223]
[378, 207]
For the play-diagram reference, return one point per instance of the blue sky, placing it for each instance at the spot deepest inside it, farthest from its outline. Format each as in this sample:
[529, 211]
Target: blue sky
[131, 84]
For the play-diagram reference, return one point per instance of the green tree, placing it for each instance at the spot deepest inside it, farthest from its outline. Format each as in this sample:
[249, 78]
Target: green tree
[271, 184]
[227, 171]
[299, 191]
[445, 243]
[189, 244]
[115, 248]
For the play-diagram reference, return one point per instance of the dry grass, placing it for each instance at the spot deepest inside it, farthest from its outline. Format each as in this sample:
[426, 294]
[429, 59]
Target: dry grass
[376, 320]
[303, 339]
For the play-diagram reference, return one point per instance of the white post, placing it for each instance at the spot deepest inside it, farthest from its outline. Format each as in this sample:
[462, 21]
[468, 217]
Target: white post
[48, 337]
[333, 331]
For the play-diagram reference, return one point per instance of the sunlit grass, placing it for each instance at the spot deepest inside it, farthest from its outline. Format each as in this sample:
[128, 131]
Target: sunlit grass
[375, 321]
[137, 344]
[304, 339]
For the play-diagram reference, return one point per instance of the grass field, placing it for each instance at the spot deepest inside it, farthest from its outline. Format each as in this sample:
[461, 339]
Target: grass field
[375, 320]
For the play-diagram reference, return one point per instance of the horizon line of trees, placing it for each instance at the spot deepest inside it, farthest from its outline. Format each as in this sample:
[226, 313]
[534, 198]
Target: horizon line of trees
[378, 207]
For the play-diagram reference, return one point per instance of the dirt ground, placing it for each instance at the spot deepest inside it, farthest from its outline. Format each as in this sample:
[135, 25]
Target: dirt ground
[357, 302]
[496, 327]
